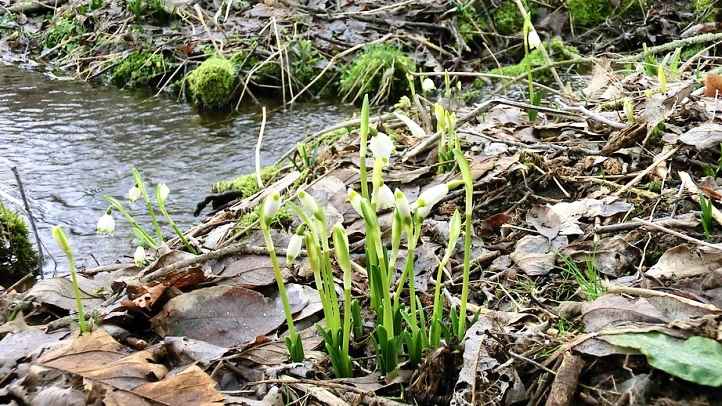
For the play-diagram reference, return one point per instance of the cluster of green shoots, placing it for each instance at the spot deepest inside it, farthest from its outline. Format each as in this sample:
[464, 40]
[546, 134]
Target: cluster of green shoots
[400, 329]
[705, 206]
[589, 280]
[448, 140]
[147, 239]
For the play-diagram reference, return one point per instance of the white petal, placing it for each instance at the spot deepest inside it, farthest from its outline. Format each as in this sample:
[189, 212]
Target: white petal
[427, 85]
[308, 202]
[434, 194]
[534, 40]
[271, 205]
[402, 205]
[106, 224]
[294, 248]
[163, 191]
[384, 198]
[355, 199]
[381, 146]
[139, 256]
[133, 194]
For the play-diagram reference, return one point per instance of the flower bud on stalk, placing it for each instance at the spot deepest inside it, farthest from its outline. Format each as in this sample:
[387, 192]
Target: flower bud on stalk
[383, 198]
[308, 203]
[162, 192]
[139, 257]
[355, 199]
[294, 248]
[402, 205]
[106, 223]
[134, 194]
[270, 206]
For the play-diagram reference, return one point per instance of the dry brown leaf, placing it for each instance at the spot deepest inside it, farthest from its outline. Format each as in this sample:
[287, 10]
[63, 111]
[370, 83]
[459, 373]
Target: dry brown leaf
[226, 316]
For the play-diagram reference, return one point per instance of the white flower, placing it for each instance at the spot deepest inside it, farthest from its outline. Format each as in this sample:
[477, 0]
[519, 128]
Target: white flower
[308, 202]
[294, 248]
[427, 85]
[106, 224]
[163, 192]
[271, 205]
[134, 194]
[384, 198]
[533, 39]
[139, 256]
[355, 199]
[381, 146]
[429, 198]
[402, 205]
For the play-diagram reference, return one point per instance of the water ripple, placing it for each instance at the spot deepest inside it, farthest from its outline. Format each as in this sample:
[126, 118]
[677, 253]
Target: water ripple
[74, 143]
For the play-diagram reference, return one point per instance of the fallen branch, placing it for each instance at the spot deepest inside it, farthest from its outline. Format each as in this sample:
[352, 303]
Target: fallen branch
[671, 46]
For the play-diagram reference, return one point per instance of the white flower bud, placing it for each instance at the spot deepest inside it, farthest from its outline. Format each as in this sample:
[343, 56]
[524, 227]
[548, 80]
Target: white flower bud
[427, 85]
[429, 198]
[534, 40]
[381, 146]
[355, 199]
[402, 205]
[139, 257]
[163, 192]
[134, 194]
[271, 205]
[384, 198]
[294, 248]
[106, 224]
[308, 202]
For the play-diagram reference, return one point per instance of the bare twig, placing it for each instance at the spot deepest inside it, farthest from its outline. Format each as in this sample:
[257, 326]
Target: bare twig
[31, 218]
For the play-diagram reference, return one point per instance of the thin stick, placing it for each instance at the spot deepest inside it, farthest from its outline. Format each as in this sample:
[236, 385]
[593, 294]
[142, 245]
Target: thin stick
[644, 173]
[258, 148]
[39, 271]
[698, 39]
[676, 234]
[333, 61]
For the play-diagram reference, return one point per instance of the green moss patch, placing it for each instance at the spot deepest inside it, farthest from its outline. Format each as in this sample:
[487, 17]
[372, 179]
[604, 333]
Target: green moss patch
[558, 51]
[210, 85]
[17, 257]
[590, 12]
[246, 184]
[139, 69]
[508, 19]
[706, 9]
[379, 71]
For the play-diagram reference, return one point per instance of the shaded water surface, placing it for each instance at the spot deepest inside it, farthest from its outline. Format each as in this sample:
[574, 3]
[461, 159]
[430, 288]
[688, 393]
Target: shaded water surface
[74, 143]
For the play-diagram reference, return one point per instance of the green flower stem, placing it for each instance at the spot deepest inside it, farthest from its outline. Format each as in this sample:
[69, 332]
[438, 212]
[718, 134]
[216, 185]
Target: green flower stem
[410, 257]
[292, 333]
[149, 206]
[137, 228]
[364, 135]
[62, 241]
[412, 235]
[469, 188]
[375, 248]
[177, 230]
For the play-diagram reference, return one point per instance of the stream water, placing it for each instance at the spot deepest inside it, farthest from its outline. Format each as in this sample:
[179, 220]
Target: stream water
[73, 143]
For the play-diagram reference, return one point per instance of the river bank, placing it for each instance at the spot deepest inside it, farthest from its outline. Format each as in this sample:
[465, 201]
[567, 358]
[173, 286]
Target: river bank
[588, 271]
